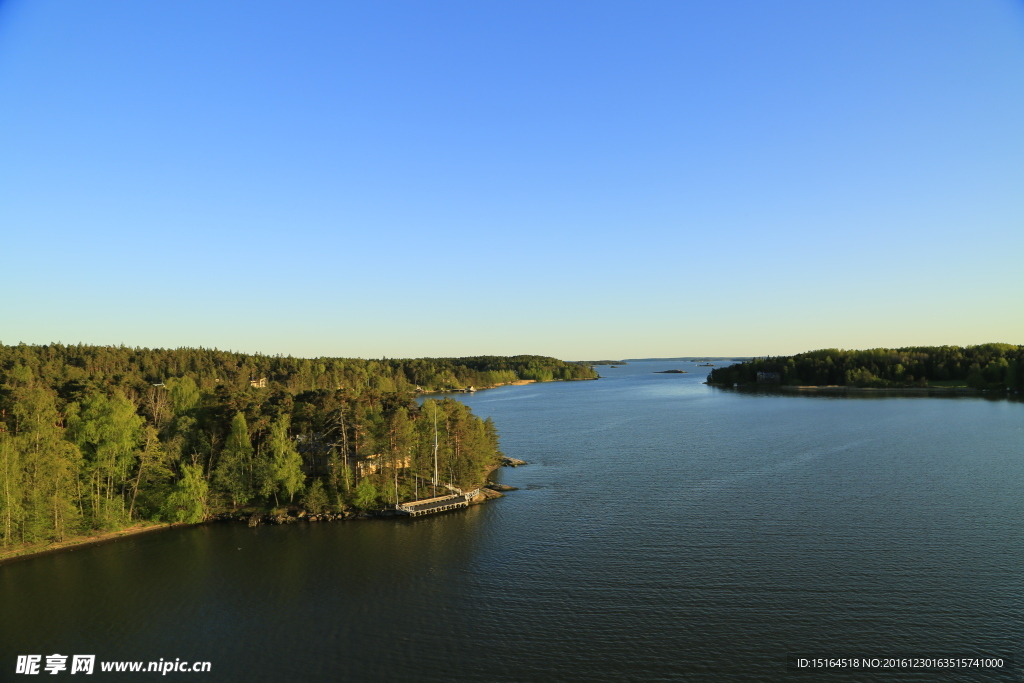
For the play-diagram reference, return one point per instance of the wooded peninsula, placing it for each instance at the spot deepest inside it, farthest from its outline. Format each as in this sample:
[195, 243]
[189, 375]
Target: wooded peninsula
[993, 367]
[95, 439]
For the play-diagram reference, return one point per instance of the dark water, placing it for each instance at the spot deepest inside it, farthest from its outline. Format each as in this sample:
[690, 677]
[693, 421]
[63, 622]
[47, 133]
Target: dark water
[665, 531]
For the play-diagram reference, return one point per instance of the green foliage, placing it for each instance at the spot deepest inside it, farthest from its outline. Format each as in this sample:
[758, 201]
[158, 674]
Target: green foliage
[315, 500]
[154, 477]
[187, 503]
[109, 433]
[466, 445]
[234, 471]
[94, 438]
[283, 469]
[12, 476]
[366, 494]
[491, 432]
[76, 370]
[987, 366]
[184, 394]
[39, 471]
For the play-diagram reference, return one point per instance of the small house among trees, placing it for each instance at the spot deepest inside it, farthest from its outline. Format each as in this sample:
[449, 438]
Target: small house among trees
[260, 383]
[373, 463]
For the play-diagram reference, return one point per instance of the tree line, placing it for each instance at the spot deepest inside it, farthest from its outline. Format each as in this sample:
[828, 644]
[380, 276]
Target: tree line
[97, 438]
[986, 366]
[71, 369]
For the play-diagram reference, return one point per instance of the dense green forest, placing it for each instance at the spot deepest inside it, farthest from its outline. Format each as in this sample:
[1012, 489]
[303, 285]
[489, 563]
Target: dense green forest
[987, 366]
[97, 438]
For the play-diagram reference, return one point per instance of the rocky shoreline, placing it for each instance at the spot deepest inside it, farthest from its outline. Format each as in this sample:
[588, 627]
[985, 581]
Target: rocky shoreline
[488, 491]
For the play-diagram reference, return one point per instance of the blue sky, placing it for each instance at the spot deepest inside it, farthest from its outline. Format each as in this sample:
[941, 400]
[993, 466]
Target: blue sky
[577, 179]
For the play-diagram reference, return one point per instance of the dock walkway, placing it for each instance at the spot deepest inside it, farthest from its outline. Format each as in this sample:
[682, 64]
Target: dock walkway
[439, 504]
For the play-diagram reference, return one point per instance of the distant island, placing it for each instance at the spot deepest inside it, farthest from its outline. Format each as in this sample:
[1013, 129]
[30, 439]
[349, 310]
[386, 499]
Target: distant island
[670, 372]
[691, 359]
[99, 440]
[993, 367]
[600, 362]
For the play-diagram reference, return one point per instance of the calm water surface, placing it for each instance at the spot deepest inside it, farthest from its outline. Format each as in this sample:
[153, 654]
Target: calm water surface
[664, 531]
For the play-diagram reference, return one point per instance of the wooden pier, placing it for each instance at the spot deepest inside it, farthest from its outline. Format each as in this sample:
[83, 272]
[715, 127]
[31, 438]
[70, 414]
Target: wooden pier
[439, 504]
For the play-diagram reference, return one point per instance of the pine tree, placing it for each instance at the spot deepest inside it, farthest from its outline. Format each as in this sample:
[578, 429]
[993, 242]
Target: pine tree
[315, 499]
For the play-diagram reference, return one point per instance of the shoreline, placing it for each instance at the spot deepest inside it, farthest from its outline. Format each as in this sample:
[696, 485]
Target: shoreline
[26, 552]
[517, 383]
[37, 550]
[841, 388]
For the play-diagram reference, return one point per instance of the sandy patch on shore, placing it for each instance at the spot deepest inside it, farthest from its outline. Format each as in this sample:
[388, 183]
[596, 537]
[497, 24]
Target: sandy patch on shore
[42, 548]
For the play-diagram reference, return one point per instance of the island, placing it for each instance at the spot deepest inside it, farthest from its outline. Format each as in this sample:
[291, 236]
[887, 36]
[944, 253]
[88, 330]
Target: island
[985, 367]
[670, 372]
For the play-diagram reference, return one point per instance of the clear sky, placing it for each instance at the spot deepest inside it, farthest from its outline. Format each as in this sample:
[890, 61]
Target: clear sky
[578, 179]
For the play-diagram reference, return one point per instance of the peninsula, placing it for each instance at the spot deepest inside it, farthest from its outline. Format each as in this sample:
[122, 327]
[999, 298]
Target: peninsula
[98, 441]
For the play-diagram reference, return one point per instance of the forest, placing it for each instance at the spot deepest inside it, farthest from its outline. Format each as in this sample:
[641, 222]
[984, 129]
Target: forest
[995, 367]
[98, 438]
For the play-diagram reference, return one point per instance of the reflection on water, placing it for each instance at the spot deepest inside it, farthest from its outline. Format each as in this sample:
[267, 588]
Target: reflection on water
[663, 530]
